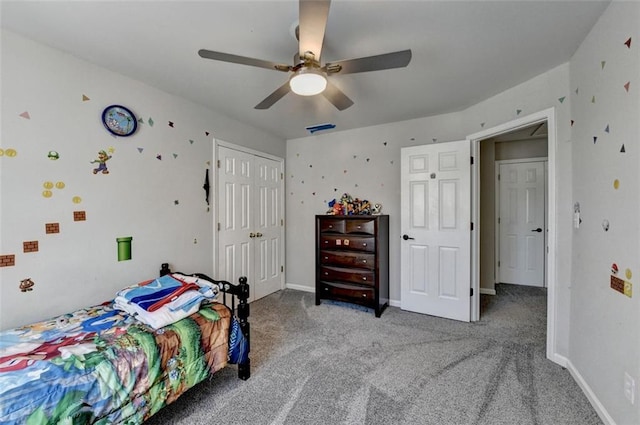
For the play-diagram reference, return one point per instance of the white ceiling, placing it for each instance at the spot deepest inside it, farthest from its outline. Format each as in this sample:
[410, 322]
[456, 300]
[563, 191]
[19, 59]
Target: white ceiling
[463, 51]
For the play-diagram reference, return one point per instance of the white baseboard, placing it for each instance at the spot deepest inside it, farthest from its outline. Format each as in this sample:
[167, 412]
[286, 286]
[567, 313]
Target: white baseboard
[586, 389]
[487, 291]
[558, 359]
[297, 287]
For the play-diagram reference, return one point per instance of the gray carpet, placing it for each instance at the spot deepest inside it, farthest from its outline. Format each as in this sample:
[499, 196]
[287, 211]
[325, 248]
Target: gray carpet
[333, 364]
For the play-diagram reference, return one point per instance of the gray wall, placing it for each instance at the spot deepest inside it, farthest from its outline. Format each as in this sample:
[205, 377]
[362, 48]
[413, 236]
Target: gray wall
[605, 324]
[153, 191]
[366, 163]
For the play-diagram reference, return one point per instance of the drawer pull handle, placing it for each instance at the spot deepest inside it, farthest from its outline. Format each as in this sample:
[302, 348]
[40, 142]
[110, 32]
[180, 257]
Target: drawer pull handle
[364, 278]
[364, 295]
[326, 273]
[331, 226]
[359, 227]
[326, 241]
[364, 261]
[364, 244]
[326, 289]
[326, 258]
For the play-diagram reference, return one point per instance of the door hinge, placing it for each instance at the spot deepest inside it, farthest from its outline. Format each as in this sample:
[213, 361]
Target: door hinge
[471, 292]
[218, 227]
[281, 222]
[498, 177]
[281, 176]
[498, 263]
[281, 269]
[471, 225]
[218, 163]
[498, 220]
[471, 160]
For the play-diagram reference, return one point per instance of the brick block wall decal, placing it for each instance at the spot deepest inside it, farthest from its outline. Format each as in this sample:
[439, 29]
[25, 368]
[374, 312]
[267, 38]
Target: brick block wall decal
[52, 228]
[30, 246]
[79, 215]
[7, 260]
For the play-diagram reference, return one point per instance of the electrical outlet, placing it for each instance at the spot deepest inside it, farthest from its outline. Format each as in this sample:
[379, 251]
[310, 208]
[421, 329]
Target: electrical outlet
[629, 388]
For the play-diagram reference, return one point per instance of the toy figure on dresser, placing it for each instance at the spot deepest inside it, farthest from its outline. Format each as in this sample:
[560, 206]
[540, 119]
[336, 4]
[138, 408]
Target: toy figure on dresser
[335, 208]
[347, 205]
[377, 209]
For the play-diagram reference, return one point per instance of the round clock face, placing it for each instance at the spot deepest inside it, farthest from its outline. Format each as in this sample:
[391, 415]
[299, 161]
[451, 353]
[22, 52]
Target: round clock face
[119, 120]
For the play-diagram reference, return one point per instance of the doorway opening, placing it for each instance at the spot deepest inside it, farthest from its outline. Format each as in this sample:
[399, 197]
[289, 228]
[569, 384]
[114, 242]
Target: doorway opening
[481, 272]
[513, 204]
[513, 226]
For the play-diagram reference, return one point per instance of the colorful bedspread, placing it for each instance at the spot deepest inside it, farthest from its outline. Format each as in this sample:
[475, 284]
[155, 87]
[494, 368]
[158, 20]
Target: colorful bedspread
[99, 365]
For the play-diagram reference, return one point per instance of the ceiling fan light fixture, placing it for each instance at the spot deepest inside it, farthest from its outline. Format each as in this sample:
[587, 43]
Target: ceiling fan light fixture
[308, 82]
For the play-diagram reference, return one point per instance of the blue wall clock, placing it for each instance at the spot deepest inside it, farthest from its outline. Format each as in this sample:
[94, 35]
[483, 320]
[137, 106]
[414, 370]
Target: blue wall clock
[119, 120]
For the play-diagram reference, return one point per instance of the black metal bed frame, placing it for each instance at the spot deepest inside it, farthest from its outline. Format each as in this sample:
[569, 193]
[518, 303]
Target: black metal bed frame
[239, 291]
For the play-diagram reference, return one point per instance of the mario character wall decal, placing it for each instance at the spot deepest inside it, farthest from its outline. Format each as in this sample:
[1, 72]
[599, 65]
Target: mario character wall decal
[102, 159]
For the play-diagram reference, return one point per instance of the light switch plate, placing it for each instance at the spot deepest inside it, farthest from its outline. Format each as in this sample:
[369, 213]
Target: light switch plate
[629, 388]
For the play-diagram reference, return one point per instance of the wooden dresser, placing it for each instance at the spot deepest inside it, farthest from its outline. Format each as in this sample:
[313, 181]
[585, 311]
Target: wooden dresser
[352, 260]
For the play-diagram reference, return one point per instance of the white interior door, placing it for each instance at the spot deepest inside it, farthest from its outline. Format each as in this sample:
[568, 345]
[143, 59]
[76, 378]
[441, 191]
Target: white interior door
[268, 227]
[250, 230]
[435, 223]
[521, 223]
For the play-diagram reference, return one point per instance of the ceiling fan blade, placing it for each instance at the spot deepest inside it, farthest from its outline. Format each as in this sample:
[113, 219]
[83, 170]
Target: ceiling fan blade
[313, 16]
[371, 63]
[242, 60]
[274, 97]
[337, 97]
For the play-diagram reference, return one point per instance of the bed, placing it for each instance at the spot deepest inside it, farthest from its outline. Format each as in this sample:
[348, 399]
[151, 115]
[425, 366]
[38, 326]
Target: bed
[102, 365]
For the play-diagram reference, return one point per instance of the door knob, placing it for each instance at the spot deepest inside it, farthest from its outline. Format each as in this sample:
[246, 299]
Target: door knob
[258, 235]
[406, 237]
[537, 230]
[252, 235]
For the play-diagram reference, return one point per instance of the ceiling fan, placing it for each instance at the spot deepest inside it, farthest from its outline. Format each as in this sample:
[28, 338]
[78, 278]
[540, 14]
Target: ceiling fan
[308, 77]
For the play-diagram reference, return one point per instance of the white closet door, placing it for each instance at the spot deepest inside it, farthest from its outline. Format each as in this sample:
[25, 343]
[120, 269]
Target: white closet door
[250, 216]
[267, 227]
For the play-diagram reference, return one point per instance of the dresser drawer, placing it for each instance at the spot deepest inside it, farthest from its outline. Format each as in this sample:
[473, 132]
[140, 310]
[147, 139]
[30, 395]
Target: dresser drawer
[350, 243]
[349, 293]
[348, 259]
[328, 225]
[360, 226]
[363, 277]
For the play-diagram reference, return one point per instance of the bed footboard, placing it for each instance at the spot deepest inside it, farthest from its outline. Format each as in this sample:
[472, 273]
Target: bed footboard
[241, 292]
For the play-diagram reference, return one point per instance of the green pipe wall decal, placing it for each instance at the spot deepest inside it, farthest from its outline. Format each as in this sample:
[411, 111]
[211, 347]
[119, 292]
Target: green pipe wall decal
[124, 248]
